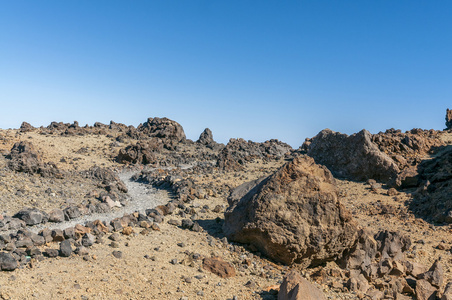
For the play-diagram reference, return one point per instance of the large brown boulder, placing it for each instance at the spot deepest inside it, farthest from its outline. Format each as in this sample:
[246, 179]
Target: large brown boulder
[292, 216]
[355, 157]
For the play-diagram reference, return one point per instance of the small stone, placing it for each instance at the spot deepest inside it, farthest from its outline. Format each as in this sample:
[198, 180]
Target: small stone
[51, 252]
[114, 237]
[57, 235]
[117, 254]
[88, 240]
[127, 231]
[56, 215]
[65, 248]
[173, 261]
[114, 244]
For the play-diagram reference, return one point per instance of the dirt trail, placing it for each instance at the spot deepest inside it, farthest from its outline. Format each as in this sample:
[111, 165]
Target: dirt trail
[141, 197]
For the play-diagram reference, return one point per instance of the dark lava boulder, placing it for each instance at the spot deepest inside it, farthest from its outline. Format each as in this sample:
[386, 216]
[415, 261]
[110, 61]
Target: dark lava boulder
[433, 200]
[24, 158]
[26, 127]
[448, 119]
[292, 216]
[7, 262]
[169, 131]
[355, 157]
[206, 137]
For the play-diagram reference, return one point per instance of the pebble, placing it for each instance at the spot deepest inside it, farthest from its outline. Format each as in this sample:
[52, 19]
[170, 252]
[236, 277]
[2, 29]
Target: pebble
[117, 254]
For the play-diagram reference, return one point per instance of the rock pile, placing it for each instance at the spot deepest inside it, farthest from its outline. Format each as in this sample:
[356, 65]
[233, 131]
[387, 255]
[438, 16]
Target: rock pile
[140, 153]
[238, 152]
[355, 157]
[407, 150]
[432, 200]
[24, 158]
[293, 216]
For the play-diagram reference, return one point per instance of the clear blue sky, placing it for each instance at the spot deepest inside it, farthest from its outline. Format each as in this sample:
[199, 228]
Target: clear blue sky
[250, 69]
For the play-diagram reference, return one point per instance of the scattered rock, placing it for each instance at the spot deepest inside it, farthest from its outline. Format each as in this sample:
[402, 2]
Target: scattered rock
[219, 267]
[295, 287]
[65, 248]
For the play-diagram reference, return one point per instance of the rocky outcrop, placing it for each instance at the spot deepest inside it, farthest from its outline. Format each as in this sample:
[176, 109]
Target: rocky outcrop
[432, 199]
[26, 127]
[206, 137]
[355, 157]
[238, 152]
[407, 150]
[292, 216]
[295, 287]
[24, 158]
[141, 153]
[170, 132]
[108, 180]
[448, 119]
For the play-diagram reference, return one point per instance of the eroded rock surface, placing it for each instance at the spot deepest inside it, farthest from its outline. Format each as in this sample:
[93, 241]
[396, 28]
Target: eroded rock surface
[355, 157]
[292, 216]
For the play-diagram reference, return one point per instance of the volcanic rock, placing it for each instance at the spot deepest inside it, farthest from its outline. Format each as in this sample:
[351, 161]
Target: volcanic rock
[218, 266]
[238, 152]
[31, 216]
[354, 157]
[292, 216]
[432, 199]
[170, 132]
[7, 262]
[448, 119]
[141, 153]
[24, 158]
[26, 127]
[65, 248]
[295, 287]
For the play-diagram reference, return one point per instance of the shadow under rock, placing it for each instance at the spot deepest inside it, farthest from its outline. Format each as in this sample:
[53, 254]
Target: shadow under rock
[213, 227]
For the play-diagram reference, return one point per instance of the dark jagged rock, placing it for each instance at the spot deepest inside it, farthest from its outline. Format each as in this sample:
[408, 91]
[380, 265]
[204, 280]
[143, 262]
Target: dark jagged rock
[206, 139]
[292, 216]
[407, 151]
[26, 127]
[355, 157]
[65, 248]
[141, 153]
[8, 262]
[432, 199]
[108, 178]
[24, 158]
[448, 119]
[238, 152]
[168, 131]
[32, 216]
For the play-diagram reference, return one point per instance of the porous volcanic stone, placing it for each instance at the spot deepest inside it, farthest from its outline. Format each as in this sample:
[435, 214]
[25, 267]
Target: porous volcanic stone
[292, 216]
[355, 157]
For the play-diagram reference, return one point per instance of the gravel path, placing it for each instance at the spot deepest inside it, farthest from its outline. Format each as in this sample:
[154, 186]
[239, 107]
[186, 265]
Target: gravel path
[141, 197]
